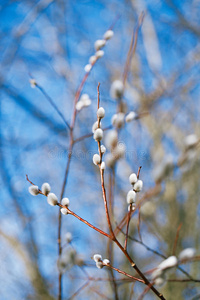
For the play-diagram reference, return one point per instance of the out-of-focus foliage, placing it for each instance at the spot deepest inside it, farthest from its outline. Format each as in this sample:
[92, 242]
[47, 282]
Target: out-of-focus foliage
[52, 41]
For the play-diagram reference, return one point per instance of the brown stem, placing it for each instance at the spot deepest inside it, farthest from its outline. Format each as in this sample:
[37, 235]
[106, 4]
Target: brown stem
[132, 47]
[84, 221]
[124, 273]
[138, 173]
[127, 226]
[176, 239]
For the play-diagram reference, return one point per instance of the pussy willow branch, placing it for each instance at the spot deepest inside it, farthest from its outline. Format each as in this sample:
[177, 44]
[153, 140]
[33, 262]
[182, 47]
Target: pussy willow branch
[158, 254]
[112, 237]
[109, 243]
[152, 192]
[121, 248]
[76, 98]
[106, 204]
[132, 47]
[126, 274]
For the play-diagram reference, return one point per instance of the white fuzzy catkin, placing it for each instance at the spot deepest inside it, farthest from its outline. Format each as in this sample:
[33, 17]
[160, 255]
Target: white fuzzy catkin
[133, 178]
[68, 237]
[52, 199]
[101, 112]
[99, 44]
[87, 102]
[111, 139]
[110, 160]
[95, 126]
[97, 257]
[33, 83]
[87, 68]
[96, 159]
[156, 273]
[103, 149]
[99, 264]
[99, 54]
[138, 186]
[98, 134]
[106, 261]
[187, 254]
[33, 190]
[130, 117]
[118, 120]
[79, 105]
[103, 165]
[191, 141]
[163, 169]
[92, 59]
[119, 151]
[170, 262]
[133, 206]
[64, 211]
[46, 188]
[131, 196]
[160, 281]
[85, 99]
[65, 202]
[117, 89]
[108, 34]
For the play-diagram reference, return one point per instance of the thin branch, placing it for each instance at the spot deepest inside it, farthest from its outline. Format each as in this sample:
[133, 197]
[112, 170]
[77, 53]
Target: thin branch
[176, 239]
[79, 290]
[127, 226]
[90, 134]
[138, 173]
[50, 100]
[138, 224]
[126, 274]
[132, 47]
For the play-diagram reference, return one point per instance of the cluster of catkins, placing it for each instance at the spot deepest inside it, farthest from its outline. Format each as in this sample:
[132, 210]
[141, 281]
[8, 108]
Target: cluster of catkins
[159, 275]
[69, 256]
[98, 135]
[85, 100]
[52, 199]
[137, 186]
[98, 45]
[100, 263]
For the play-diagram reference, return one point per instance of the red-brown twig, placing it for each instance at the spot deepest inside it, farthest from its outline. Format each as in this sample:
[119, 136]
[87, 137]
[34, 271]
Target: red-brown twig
[126, 274]
[152, 192]
[112, 237]
[176, 239]
[138, 173]
[127, 226]
[132, 47]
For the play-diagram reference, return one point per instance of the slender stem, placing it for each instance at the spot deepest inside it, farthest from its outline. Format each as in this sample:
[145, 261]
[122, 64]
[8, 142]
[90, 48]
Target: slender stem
[84, 221]
[176, 239]
[146, 281]
[50, 100]
[132, 47]
[124, 273]
[138, 173]
[127, 226]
